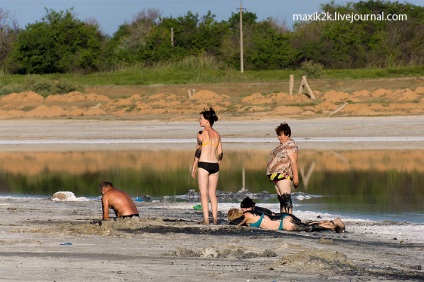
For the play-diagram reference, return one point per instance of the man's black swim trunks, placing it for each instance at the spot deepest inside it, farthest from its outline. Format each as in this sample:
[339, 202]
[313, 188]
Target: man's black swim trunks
[131, 215]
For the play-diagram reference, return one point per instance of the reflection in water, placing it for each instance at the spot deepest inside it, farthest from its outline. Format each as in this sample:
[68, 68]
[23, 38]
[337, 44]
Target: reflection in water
[377, 181]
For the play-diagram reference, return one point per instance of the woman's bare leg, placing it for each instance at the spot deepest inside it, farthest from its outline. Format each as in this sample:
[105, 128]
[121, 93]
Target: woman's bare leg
[283, 189]
[213, 183]
[290, 224]
[336, 224]
[340, 226]
[203, 180]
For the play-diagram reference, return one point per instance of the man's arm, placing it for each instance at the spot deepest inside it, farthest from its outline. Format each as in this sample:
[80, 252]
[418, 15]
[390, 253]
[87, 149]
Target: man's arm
[105, 208]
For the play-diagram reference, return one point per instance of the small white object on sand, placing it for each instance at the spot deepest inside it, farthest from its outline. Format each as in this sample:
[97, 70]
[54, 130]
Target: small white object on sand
[66, 196]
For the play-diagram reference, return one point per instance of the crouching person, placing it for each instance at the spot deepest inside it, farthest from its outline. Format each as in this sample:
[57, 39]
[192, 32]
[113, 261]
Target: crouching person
[118, 200]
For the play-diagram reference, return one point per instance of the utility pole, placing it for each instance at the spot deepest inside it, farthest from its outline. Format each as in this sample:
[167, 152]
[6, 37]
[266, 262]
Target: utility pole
[172, 37]
[241, 38]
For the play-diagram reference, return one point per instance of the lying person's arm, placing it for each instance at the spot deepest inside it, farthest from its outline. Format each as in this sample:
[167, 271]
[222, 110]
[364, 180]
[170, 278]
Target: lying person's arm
[243, 222]
[236, 221]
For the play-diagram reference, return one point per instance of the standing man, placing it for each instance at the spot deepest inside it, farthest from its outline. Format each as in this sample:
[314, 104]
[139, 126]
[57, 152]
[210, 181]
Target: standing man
[118, 200]
[282, 167]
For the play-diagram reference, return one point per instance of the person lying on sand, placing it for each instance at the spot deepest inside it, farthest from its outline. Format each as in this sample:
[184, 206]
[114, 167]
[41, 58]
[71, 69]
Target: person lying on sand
[118, 200]
[249, 204]
[253, 216]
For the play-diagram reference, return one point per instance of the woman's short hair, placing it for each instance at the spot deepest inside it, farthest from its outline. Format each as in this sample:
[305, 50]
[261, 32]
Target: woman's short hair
[283, 128]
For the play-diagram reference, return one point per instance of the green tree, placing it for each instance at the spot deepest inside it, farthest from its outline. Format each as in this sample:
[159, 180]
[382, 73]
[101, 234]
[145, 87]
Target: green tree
[266, 44]
[230, 48]
[210, 35]
[123, 48]
[362, 43]
[269, 47]
[59, 43]
[8, 33]
[192, 36]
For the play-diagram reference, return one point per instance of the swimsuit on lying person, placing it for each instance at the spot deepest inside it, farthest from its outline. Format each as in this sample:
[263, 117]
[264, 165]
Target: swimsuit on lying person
[258, 223]
[273, 216]
[211, 168]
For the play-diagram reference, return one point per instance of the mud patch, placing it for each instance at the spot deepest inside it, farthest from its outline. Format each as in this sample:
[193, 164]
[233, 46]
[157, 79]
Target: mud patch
[229, 252]
[319, 259]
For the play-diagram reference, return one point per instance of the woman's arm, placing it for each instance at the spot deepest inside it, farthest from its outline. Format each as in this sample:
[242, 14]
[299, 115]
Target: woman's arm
[293, 160]
[197, 154]
[243, 222]
[247, 216]
[220, 151]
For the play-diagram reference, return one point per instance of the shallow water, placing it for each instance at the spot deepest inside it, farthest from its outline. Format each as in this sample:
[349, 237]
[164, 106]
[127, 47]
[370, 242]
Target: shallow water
[361, 184]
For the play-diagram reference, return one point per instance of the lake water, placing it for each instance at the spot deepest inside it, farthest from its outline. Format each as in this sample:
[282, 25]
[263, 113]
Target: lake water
[361, 184]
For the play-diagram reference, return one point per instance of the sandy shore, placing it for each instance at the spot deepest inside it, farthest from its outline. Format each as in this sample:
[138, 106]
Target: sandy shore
[43, 240]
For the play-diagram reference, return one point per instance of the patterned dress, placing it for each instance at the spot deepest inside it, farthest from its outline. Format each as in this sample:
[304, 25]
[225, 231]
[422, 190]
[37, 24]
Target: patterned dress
[279, 161]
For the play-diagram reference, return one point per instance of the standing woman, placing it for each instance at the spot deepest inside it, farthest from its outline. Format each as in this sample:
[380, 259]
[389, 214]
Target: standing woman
[206, 162]
[282, 167]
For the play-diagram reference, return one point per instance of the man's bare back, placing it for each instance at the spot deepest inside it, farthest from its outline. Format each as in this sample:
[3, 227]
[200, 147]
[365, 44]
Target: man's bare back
[118, 200]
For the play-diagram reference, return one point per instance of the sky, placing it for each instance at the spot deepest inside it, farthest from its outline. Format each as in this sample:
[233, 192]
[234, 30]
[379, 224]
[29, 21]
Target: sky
[110, 14]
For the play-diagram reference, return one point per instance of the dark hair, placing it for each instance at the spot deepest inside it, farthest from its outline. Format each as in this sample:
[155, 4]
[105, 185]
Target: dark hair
[283, 128]
[247, 203]
[209, 115]
[105, 184]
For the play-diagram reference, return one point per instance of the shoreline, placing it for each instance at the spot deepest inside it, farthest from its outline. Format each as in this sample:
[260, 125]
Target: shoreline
[228, 200]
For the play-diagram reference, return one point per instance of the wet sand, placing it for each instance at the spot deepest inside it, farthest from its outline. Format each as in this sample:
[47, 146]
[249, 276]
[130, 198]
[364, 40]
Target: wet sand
[44, 240]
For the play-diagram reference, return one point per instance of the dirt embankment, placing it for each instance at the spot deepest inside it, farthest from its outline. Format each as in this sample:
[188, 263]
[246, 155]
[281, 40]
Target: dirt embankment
[179, 104]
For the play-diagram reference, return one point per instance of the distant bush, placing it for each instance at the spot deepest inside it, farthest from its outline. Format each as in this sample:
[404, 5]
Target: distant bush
[311, 69]
[46, 86]
[65, 86]
[10, 88]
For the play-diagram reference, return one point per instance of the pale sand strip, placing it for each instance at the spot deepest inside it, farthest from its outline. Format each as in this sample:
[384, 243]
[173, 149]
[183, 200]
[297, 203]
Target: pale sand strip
[405, 126]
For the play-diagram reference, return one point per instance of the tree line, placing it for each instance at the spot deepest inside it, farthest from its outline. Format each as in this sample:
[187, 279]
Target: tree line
[61, 43]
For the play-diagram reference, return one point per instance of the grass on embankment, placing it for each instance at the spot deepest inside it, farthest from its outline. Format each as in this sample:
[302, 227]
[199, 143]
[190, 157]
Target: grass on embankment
[188, 71]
